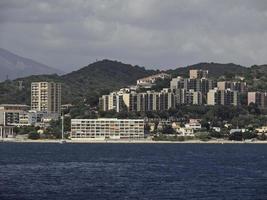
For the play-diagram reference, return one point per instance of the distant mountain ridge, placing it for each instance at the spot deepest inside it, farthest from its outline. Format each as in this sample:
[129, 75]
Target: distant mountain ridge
[14, 66]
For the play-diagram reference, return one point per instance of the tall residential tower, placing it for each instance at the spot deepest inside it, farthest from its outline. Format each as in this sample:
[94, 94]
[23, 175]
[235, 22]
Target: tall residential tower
[46, 97]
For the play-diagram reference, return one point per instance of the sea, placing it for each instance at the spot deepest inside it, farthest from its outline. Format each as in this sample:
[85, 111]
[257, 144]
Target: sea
[42, 171]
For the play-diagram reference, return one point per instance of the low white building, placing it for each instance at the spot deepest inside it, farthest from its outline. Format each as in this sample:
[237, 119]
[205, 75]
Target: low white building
[149, 81]
[216, 129]
[262, 129]
[107, 128]
[193, 124]
[238, 130]
[186, 131]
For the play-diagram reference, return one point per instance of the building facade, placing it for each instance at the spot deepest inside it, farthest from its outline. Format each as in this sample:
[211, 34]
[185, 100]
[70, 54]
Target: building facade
[12, 114]
[223, 97]
[140, 102]
[232, 85]
[258, 98]
[198, 85]
[6, 132]
[198, 73]
[109, 128]
[46, 96]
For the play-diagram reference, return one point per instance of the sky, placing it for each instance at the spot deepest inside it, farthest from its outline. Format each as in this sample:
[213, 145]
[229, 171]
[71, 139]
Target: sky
[158, 34]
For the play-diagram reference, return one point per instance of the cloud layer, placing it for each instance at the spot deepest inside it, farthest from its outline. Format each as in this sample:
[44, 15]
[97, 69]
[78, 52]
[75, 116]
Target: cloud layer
[69, 34]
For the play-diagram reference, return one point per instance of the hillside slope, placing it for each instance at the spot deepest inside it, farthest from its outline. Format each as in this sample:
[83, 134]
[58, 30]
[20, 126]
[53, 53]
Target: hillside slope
[84, 85]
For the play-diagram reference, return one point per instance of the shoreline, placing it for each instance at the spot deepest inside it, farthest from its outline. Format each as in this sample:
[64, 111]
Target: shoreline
[84, 141]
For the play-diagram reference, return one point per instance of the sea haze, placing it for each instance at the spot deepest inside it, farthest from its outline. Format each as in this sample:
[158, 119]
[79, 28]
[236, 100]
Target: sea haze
[133, 171]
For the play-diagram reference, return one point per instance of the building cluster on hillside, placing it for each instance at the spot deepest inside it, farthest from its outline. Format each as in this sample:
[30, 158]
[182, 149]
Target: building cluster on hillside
[198, 89]
[149, 81]
[45, 106]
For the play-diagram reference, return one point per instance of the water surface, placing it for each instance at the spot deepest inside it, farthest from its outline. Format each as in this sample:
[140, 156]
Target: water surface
[133, 171]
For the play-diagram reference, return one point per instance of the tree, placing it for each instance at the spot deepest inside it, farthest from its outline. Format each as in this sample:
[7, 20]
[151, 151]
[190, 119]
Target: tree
[249, 135]
[262, 137]
[237, 136]
[168, 130]
[33, 135]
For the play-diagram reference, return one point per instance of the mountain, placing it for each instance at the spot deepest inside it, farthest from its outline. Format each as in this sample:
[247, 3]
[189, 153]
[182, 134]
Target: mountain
[215, 69]
[15, 66]
[84, 85]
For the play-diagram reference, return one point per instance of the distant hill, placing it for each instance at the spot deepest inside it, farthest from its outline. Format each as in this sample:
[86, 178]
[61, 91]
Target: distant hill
[215, 69]
[15, 66]
[84, 85]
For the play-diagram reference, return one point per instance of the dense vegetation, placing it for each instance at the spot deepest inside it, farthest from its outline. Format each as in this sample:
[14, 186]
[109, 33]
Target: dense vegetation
[215, 69]
[81, 86]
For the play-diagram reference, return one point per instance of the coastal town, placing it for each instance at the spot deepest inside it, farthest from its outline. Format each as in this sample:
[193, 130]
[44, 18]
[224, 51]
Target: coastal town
[141, 112]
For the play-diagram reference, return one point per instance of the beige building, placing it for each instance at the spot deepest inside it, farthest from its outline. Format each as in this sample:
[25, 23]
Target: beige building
[258, 98]
[107, 128]
[198, 73]
[202, 85]
[233, 85]
[46, 96]
[188, 97]
[223, 97]
[13, 114]
[140, 102]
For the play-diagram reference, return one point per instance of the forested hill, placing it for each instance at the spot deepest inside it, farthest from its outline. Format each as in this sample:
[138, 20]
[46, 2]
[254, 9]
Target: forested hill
[101, 77]
[84, 85]
[88, 83]
[215, 69]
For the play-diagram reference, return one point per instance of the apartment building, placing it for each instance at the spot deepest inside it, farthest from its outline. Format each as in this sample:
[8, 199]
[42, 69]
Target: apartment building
[46, 96]
[232, 85]
[188, 97]
[197, 85]
[223, 97]
[141, 102]
[20, 115]
[12, 114]
[258, 98]
[198, 73]
[107, 128]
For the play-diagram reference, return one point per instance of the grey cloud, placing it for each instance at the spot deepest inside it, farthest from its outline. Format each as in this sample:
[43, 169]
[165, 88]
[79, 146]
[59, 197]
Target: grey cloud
[71, 33]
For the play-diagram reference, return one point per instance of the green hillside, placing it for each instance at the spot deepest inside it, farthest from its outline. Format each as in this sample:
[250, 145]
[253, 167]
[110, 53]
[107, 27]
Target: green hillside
[84, 85]
[215, 69]
[90, 82]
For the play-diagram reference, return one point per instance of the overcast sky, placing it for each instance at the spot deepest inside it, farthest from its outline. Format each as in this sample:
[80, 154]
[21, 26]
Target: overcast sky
[69, 34]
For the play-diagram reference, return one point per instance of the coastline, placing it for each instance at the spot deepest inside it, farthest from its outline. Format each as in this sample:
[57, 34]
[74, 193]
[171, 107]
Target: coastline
[84, 141]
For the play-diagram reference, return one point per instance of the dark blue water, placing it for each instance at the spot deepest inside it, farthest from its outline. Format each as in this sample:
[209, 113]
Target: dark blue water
[133, 171]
